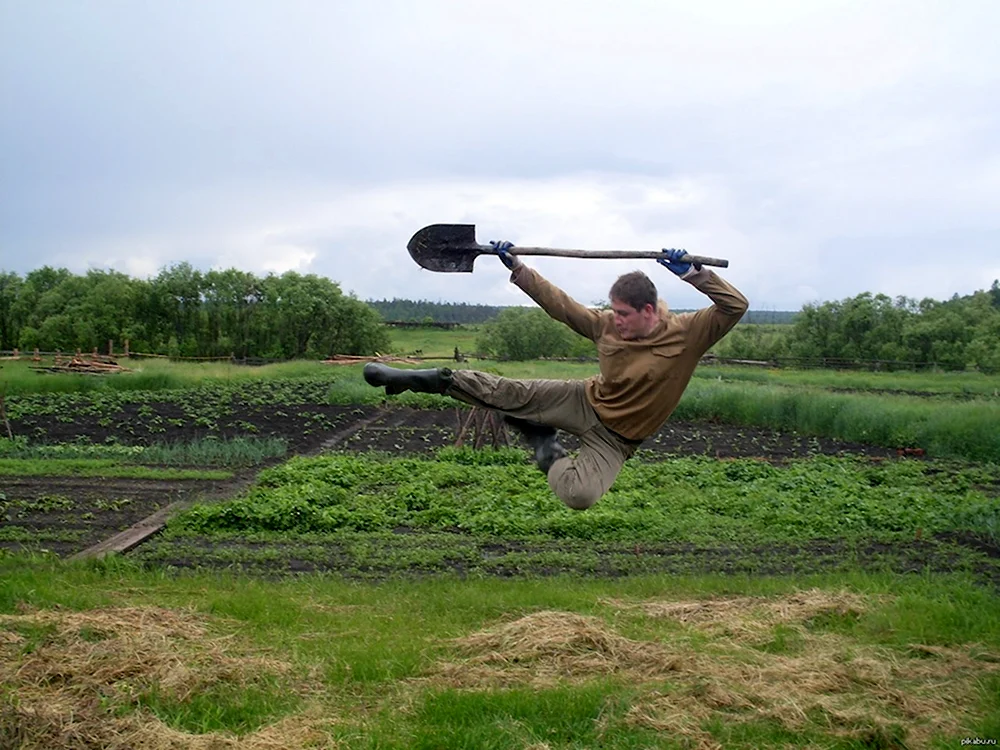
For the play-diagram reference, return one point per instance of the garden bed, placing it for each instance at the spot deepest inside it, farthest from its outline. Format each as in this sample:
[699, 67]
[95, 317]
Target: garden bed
[65, 515]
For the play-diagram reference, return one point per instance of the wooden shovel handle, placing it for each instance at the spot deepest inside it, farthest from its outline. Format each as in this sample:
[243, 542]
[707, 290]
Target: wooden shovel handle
[652, 254]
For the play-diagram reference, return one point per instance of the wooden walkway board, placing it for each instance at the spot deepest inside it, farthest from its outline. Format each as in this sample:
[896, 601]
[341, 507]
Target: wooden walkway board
[134, 535]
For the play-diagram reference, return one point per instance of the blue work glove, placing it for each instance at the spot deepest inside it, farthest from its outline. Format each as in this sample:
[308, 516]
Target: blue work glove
[671, 259]
[501, 247]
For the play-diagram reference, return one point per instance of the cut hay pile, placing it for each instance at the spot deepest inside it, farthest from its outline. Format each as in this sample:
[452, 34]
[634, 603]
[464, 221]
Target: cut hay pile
[824, 682]
[546, 647]
[76, 680]
[749, 618]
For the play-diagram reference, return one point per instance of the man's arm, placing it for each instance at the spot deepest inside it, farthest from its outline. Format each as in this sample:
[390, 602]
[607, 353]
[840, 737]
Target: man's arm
[559, 305]
[709, 324]
[712, 323]
[556, 303]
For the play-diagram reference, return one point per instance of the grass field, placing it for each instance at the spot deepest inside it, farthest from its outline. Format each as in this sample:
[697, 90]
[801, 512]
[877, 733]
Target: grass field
[849, 661]
[435, 342]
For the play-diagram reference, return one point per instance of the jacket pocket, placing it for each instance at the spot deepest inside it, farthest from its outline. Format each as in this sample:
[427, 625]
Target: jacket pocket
[666, 362]
[668, 350]
[611, 358]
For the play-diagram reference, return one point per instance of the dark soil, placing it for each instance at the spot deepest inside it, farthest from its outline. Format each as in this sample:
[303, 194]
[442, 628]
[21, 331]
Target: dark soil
[310, 427]
[66, 515]
[414, 431]
[467, 556]
[69, 514]
[960, 396]
[304, 426]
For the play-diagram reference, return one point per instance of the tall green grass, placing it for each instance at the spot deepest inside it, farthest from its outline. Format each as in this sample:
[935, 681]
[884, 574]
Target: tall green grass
[963, 384]
[969, 430]
[17, 377]
[103, 468]
[239, 451]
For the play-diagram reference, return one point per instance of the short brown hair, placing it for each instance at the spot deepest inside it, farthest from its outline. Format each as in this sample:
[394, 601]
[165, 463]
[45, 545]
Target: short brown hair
[634, 289]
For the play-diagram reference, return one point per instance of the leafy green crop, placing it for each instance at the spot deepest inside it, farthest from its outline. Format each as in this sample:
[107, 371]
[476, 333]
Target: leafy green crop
[685, 499]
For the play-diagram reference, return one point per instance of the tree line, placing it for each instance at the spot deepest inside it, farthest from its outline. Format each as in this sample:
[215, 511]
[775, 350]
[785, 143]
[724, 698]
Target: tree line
[185, 312]
[961, 332]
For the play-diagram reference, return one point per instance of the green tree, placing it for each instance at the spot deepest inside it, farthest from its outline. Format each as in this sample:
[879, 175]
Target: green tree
[313, 318]
[865, 327]
[755, 341]
[231, 298]
[28, 310]
[10, 324]
[176, 303]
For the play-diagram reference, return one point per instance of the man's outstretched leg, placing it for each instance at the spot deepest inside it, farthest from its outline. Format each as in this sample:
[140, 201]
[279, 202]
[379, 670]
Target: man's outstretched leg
[536, 409]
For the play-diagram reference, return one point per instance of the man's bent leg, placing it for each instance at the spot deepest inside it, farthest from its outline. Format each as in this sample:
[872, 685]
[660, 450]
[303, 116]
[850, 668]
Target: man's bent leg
[582, 481]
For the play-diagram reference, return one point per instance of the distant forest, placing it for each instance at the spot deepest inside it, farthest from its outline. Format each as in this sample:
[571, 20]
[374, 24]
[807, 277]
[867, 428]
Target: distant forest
[425, 311]
[421, 311]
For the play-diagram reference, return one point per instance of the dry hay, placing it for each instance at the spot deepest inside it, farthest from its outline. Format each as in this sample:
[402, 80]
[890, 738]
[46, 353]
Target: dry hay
[545, 647]
[748, 617]
[831, 683]
[74, 680]
[838, 687]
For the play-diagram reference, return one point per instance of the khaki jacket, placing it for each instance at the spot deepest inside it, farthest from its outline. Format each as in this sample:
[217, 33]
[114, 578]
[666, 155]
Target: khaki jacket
[641, 381]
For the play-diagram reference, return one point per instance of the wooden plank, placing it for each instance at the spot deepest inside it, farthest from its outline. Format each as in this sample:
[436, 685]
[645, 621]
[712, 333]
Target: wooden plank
[133, 536]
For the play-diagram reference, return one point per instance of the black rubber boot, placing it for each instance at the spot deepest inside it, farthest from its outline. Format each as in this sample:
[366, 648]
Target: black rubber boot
[397, 380]
[547, 452]
[542, 440]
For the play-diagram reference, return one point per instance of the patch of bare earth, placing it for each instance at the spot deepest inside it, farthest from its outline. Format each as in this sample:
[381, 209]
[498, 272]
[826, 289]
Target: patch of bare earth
[89, 510]
[721, 667]
[76, 680]
[423, 431]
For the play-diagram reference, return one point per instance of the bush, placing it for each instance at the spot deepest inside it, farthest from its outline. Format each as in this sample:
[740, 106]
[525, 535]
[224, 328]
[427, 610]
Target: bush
[521, 333]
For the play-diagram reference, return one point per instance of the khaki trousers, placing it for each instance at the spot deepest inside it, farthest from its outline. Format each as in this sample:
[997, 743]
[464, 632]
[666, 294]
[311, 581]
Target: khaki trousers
[579, 482]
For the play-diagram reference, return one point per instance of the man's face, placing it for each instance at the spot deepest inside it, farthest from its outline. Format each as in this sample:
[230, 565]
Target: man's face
[631, 323]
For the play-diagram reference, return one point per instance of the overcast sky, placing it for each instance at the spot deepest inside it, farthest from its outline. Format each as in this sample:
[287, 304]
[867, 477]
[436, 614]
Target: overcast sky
[825, 148]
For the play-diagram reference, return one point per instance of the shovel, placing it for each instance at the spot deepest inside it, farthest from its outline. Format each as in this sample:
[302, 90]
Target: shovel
[452, 248]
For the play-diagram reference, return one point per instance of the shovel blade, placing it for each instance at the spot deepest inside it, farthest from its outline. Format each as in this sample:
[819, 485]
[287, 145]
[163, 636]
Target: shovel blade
[449, 248]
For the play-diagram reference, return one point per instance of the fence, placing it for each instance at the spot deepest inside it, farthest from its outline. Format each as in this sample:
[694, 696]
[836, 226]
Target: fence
[36, 356]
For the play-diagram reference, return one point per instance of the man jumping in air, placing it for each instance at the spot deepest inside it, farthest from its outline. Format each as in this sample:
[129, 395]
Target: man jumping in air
[646, 356]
